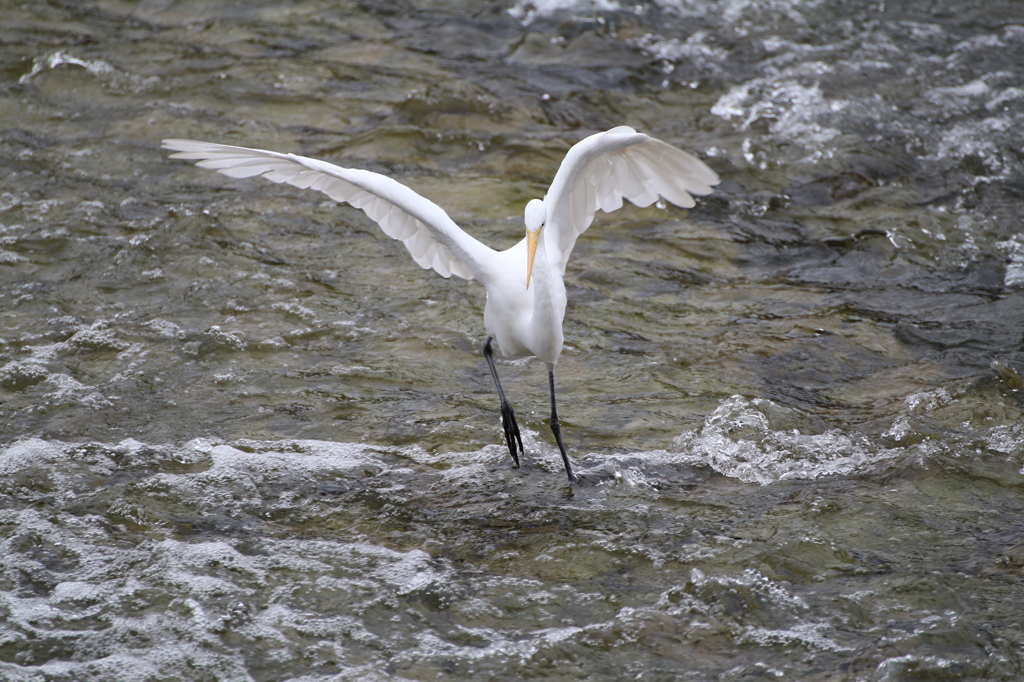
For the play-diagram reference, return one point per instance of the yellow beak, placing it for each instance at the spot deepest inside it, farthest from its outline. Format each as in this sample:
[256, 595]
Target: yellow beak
[531, 251]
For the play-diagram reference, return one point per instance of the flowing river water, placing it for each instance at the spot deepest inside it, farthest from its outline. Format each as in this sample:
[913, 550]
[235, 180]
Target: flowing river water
[244, 437]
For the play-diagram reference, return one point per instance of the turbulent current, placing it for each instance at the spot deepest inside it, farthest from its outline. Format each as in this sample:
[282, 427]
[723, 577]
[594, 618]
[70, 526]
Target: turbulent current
[244, 437]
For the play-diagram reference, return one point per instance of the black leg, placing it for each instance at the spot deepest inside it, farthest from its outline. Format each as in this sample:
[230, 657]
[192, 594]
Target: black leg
[508, 417]
[555, 428]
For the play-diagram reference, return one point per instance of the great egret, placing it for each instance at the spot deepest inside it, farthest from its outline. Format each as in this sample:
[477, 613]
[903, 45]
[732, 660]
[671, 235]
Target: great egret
[525, 288]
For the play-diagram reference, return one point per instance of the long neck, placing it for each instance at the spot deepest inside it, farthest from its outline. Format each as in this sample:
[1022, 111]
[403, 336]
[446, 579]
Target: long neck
[548, 305]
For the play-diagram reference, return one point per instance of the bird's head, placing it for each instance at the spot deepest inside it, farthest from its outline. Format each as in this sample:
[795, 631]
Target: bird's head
[536, 215]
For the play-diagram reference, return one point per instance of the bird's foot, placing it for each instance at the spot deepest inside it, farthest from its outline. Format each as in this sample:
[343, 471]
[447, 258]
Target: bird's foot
[511, 428]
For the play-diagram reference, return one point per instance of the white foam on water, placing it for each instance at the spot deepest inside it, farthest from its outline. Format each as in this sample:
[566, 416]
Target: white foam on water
[922, 667]
[982, 139]
[738, 440]
[97, 68]
[526, 12]
[807, 634]
[682, 613]
[1014, 249]
[753, 440]
[794, 111]
[164, 605]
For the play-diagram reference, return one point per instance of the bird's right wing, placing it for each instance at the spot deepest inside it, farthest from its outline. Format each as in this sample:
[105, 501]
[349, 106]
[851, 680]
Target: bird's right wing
[433, 239]
[605, 168]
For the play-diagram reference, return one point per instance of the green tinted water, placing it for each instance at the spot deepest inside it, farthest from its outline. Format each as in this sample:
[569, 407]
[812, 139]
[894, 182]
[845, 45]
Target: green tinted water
[247, 438]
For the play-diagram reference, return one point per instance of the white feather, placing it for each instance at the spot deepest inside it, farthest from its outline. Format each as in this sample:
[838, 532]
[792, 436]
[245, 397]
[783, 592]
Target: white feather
[433, 240]
[603, 169]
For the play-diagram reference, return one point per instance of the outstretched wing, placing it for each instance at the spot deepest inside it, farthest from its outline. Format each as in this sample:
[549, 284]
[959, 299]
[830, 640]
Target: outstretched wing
[433, 239]
[603, 169]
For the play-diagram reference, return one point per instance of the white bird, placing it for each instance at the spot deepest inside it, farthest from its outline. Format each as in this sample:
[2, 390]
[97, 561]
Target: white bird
[525, 289]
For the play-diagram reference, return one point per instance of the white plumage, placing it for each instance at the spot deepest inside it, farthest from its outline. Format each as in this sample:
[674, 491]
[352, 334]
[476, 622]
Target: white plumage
[597, 173]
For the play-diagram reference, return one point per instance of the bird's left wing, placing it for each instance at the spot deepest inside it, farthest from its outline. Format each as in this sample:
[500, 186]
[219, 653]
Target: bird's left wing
[603, 169]
[433, 238]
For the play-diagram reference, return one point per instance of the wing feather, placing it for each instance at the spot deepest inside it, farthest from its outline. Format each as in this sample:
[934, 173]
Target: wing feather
[432, 238]
[603, 169]
[608, 198]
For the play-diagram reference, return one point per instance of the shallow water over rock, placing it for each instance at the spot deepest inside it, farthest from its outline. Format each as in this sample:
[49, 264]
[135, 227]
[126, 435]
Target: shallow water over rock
[245, 437]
